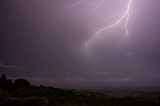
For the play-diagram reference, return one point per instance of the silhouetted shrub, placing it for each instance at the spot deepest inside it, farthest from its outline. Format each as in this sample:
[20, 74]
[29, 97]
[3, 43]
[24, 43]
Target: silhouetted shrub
[4, 94]
[5, 83]
[36, 101]
[21, 83]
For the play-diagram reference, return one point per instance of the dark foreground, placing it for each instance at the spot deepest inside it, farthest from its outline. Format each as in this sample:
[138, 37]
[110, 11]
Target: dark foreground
[21, 93]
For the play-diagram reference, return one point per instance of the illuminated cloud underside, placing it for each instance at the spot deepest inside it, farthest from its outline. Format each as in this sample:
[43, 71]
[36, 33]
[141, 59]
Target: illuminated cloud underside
[125, 16]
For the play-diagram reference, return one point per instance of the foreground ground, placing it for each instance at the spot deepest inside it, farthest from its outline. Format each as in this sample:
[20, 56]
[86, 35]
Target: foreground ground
[21, 93]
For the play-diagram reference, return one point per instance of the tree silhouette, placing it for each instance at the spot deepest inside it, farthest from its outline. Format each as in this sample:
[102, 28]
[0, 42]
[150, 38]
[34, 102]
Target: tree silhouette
[5, 83]
[21, 83]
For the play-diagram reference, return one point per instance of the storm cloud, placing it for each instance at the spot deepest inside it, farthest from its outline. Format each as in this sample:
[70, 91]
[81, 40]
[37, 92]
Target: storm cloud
[49, 43]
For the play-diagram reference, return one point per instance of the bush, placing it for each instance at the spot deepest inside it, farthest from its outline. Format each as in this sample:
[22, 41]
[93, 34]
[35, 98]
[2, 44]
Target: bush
[32, 101]
[4, 94]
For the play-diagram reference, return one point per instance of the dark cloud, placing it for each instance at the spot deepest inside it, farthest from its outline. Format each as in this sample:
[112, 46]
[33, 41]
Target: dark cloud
[49, 45]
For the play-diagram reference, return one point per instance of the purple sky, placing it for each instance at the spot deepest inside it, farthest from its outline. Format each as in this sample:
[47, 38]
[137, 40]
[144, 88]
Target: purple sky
[49, 43]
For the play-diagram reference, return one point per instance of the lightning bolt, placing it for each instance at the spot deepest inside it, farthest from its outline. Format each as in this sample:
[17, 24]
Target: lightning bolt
[99, 2]
[73, 5]
[125, 16]
[6, 67]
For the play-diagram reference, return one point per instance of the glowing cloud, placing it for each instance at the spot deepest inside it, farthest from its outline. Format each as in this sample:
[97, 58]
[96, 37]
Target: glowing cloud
[125, 16]
[99, 31]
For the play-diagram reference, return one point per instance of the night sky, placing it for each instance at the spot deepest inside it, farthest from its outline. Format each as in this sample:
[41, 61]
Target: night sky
[45, 40]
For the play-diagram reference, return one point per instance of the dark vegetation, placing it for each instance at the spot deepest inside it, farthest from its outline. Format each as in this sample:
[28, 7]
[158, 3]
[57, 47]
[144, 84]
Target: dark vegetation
[21, 93]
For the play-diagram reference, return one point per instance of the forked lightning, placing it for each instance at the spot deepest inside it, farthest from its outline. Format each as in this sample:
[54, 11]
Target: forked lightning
[125, 16]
